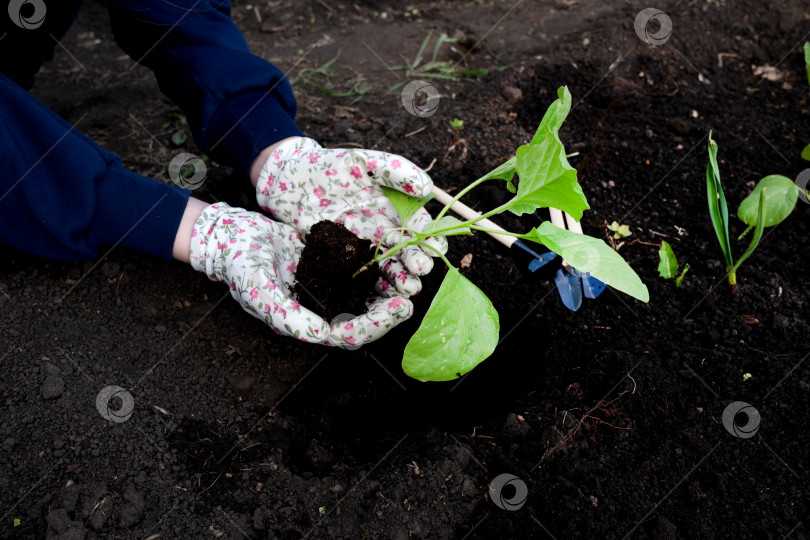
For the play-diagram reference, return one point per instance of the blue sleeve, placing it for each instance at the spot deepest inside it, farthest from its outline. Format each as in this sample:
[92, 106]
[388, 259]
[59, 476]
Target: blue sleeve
[236, 103]
[64, 197]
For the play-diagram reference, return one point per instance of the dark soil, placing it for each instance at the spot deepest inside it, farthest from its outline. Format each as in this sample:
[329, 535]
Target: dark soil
[324, 276]
[612, 415]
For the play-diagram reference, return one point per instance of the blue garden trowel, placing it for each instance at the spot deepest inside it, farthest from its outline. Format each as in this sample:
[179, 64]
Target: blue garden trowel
[571, 283]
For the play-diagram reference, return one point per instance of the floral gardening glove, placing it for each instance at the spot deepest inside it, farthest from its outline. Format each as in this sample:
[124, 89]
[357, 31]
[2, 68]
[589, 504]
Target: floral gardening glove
[303, 183]
[257, 257]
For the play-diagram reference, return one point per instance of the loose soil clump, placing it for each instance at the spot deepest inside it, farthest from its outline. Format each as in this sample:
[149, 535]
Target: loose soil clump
[324, 281]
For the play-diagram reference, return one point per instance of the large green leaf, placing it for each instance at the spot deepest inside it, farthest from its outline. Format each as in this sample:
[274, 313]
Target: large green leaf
[546, 178]
[718, 209]
[781, 200]
[668, 263]
[404, 204]
[459, 331]
[591, 255]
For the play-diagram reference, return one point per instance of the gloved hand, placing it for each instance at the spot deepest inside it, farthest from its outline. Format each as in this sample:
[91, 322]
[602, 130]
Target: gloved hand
[303, 183]
[257, 257]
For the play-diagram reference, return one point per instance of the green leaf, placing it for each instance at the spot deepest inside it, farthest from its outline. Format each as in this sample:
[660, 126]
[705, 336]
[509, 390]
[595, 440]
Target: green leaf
[718, 209]
[668, 264]
[459, 331]
[445, 222]
[591, 255]
[762, 216]
[807, 60]
[806, 153]
[504, 171]
[782, 198]
[179, 138]
[546, 178]
[620, 231]
[679, 279]
[404, 204]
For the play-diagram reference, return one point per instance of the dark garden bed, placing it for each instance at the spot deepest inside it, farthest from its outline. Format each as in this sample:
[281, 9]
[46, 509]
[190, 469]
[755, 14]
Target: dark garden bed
[611, 416]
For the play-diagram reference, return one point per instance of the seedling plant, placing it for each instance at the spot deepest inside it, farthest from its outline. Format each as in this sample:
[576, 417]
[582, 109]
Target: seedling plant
[772, 200]
[434, 68]
[620, 230]
[460, 329]
[668, 264]
[322, 79]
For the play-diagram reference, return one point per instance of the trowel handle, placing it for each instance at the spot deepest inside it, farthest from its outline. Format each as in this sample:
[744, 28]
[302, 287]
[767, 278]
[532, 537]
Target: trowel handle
[468, 213]
[557, 217]
[573, 225]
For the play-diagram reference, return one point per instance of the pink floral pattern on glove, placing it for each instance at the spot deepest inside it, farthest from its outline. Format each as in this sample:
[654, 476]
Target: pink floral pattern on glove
[303, 183]
[256, 257]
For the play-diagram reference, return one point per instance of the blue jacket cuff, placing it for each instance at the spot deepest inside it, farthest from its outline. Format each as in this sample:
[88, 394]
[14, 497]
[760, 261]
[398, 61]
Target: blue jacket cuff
[137, 213]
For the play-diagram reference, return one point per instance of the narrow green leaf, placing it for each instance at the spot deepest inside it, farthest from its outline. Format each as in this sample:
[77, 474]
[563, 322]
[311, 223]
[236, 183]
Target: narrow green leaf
[668, 264]
[745, 232]
[591, 255]
[679, 279]
[546, 177]
[445, 222]
[404, 204]
[806, 153]
[807, 60]
[782, 197]
[718, 209]
[459, 331]
[418, 59]
[761, 217]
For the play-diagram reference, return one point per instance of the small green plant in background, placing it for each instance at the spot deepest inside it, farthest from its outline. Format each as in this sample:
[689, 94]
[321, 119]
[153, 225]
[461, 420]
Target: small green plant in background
[323, 78]
[435, 68]
[668, 264]
[461, 327]
[772, 200]
[620, 231]
[807, 60]
[180, 136]
[456, 124]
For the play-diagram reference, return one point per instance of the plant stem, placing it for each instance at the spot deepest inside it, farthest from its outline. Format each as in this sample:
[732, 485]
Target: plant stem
[389, 233]
[471, 222]
[422, 244]
[460, 195]
[732, 275]
[389, 253]
[505, 233]
[417, 238]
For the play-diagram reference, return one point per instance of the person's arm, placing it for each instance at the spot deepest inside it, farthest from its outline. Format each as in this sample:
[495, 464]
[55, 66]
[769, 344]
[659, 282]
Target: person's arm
[237, 104]
[182, 240]
[64, 197]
